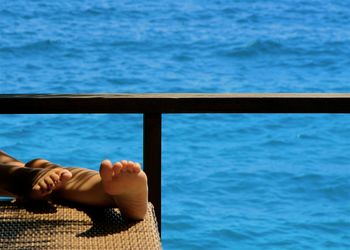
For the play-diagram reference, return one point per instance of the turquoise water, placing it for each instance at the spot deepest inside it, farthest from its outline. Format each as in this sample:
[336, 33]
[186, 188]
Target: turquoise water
[229, 181]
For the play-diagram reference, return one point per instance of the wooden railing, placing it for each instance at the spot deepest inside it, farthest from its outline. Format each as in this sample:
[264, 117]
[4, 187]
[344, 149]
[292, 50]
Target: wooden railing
[152, 106]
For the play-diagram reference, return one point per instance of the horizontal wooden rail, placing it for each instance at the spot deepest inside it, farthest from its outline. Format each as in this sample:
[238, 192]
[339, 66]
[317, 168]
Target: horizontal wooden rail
[154, 105]
[175, 103]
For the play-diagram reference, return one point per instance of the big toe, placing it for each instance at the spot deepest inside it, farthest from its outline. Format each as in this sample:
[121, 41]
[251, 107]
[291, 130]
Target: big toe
[106, 170]
[65, 175]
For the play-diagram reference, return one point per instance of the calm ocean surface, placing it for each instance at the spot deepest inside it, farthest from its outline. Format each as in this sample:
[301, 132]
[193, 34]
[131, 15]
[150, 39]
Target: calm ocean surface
[229, 181]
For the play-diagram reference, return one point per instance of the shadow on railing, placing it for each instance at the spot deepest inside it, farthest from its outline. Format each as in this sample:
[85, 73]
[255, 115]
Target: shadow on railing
[152, 106]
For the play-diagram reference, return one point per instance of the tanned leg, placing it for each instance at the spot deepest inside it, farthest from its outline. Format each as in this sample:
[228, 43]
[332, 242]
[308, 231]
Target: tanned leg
[18, 181]
[7, 159]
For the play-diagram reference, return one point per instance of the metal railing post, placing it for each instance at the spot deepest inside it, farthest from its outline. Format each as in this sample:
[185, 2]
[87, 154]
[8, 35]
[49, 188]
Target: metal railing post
[152, 159]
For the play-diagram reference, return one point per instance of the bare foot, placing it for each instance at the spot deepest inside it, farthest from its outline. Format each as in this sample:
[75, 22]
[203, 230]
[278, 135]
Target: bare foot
[127, 184]
[50, 177]
[47, 181]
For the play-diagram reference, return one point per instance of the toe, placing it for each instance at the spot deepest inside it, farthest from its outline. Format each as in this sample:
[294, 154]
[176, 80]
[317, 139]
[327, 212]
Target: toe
[65, 175]
[36, 187]
[106, 170]
[124, 166]
[49, 183]
[137, 168]
[130, 166]
[117, 167]
[55, 178]
[42, 185]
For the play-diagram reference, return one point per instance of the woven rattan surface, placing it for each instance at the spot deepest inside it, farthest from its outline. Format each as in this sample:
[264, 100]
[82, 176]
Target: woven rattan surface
[48, 226]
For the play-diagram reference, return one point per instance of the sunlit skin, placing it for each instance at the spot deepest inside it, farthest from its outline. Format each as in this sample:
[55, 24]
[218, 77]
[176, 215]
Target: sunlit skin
[122, 184]
[17, 180]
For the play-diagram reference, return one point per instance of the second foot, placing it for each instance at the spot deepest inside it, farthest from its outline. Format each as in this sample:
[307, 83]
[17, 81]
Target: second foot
[47, 181]
[127, 184]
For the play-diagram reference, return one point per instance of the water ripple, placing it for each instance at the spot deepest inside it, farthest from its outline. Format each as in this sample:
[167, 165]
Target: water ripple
[41, 46]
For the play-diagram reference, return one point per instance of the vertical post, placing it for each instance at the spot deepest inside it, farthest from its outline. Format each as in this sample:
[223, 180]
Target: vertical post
[152, 159]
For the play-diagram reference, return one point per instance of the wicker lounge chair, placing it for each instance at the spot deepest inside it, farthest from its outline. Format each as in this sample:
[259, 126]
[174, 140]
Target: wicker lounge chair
[53, 226]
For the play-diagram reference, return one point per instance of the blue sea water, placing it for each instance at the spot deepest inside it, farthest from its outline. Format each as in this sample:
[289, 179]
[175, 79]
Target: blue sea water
[229, 181]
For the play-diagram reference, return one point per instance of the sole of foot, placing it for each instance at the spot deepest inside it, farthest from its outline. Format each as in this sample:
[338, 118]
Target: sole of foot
[127, 184]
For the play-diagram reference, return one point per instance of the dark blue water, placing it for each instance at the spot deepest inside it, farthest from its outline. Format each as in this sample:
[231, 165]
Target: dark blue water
[229, 181]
